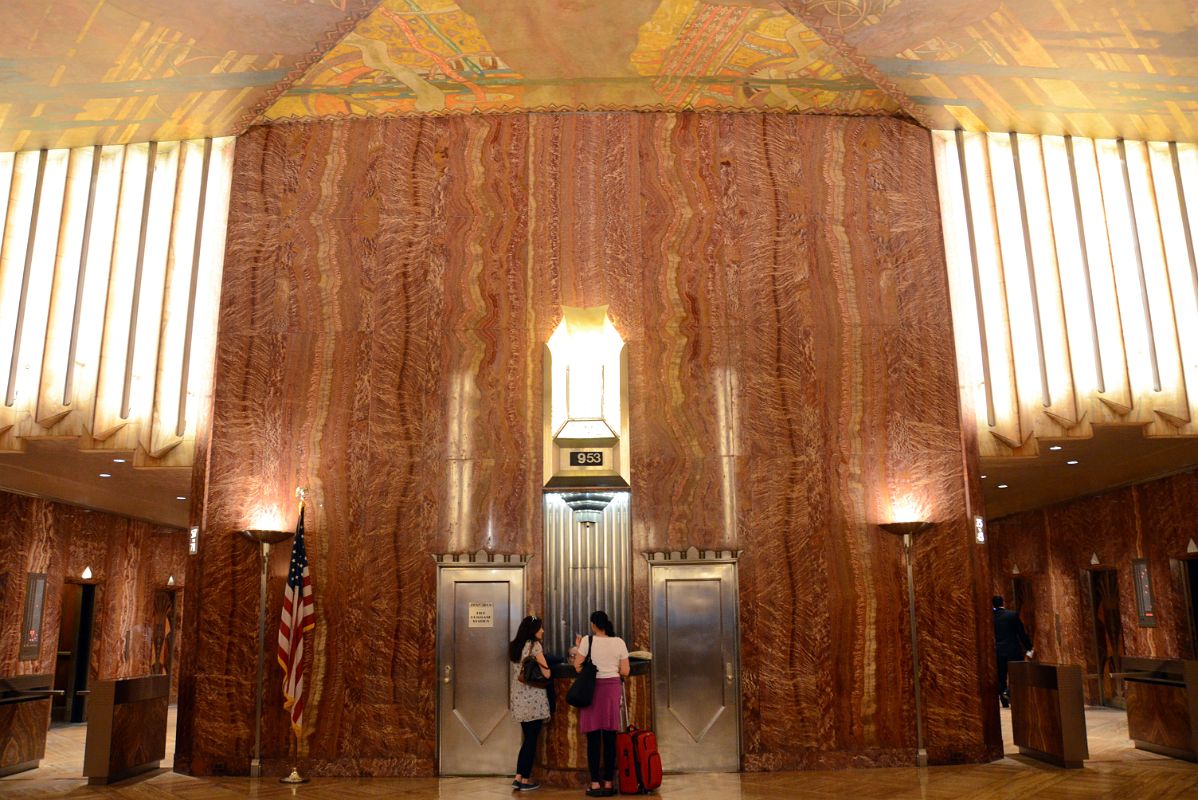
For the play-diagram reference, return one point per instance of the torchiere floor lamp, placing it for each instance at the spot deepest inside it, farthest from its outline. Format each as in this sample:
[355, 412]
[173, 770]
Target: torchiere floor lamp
[264, 539]
[908, 530]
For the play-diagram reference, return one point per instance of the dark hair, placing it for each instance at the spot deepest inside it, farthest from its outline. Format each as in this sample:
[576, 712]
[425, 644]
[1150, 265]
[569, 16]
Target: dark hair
[599, 620]
[524, 634]
[997, 601]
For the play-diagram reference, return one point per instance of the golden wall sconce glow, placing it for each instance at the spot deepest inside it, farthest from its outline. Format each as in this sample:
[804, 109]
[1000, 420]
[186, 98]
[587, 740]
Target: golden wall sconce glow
[1074, 284]
[586, 400]
[110, 266]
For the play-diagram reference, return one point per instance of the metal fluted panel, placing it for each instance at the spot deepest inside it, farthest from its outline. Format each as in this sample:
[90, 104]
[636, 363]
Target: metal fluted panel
[587, 568]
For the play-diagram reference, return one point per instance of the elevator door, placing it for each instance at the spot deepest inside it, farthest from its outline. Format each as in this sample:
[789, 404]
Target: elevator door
[478, 612]
[696, 681]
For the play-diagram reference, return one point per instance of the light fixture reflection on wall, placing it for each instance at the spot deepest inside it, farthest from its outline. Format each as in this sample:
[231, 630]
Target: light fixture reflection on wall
[907, 530]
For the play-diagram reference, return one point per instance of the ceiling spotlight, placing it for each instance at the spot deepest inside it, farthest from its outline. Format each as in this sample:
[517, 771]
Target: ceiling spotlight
[1055, 447]
[983, 477]
[105, 475]
[1071, 462]
[180, 497]
[1002, 486]
[118, 461]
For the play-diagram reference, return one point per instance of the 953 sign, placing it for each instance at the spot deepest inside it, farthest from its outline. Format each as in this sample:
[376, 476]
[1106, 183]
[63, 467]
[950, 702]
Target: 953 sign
[586, 458]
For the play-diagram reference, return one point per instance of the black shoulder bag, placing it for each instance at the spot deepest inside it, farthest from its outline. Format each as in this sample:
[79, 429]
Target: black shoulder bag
[530, 673]
[582, 691]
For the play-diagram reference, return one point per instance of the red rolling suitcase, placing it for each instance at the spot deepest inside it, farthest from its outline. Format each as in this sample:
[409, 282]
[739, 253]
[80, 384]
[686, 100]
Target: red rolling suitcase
[638, 764]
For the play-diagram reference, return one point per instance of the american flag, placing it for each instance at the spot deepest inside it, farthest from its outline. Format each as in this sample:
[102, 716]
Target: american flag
[299, 615]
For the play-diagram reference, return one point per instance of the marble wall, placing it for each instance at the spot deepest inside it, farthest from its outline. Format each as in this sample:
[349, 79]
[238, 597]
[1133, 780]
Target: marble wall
[1051, 547]
[129, 560]
[780, 282]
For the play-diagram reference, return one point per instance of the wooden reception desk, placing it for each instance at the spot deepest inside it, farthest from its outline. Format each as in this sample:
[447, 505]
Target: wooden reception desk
[562, 751]
[126, 727]
[24, 720]
[1048, 717]
[1162, 705]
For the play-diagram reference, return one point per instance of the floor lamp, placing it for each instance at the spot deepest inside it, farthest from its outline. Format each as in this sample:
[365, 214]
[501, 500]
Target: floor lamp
[264, 539]
[907, 530]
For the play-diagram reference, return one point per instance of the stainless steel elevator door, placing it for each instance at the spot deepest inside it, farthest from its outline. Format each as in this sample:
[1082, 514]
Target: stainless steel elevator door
[478, 612]
[696, 673]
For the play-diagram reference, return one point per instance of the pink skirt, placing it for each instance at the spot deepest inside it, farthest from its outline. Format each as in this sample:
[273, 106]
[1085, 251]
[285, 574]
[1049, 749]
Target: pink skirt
[603, 714]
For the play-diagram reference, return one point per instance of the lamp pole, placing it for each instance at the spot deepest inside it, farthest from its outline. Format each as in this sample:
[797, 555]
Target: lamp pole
[908, 530]
[264, 539]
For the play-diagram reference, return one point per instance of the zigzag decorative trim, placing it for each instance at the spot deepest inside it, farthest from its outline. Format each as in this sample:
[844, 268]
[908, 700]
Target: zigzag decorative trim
[292, 119]
[693, 554]
[324, 45]
[864, 65]
[482, 557]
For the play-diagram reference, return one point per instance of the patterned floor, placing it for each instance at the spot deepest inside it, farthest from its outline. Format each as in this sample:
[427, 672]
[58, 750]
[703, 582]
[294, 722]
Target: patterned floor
[1115, 770]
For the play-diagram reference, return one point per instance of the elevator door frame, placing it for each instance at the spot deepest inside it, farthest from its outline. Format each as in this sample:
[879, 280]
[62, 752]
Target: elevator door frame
[1116, 698]
[482, 572]
[659, 572]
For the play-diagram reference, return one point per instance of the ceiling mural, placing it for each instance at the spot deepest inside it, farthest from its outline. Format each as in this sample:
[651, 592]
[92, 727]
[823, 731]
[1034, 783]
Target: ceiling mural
[441, 56]
[1099, 69]
[83, 72]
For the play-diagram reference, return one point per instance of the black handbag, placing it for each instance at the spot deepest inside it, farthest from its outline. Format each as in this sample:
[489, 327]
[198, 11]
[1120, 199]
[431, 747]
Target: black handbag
[530, 673]
[582, 691]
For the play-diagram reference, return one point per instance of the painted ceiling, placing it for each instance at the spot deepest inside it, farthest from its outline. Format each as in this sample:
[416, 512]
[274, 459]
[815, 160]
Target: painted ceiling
[78, 72]
[442, 56]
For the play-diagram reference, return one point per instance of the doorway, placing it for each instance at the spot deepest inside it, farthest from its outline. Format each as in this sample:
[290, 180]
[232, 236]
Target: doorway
[479, 608]
[73, 658]
[1023, 603]
[1106, 634]
[695, 639]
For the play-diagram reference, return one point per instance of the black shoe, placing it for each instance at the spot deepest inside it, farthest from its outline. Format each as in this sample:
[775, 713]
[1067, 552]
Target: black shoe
[1005, 699]
[596, 793]
[609, 791]
[516, 785]
[528, 787]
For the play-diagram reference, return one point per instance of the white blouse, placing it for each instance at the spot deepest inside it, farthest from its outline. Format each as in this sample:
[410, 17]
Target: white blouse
[609, 651]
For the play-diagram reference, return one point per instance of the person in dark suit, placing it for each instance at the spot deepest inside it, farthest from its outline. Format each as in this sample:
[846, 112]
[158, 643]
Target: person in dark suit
[1011, 643]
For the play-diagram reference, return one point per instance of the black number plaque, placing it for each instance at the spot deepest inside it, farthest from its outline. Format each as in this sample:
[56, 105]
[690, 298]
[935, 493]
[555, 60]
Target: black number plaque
[586, 458]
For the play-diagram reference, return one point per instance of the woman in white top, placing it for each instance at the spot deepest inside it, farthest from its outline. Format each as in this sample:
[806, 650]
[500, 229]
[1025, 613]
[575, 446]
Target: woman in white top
[601, 719]
[530, 704]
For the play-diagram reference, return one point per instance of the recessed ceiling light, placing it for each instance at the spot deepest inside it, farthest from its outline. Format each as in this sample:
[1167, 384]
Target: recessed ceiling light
[105, 475]
[1071, 462]
[118, 461]
[1055, 447]
[983, 477]
[1002, 486]
[180, 497]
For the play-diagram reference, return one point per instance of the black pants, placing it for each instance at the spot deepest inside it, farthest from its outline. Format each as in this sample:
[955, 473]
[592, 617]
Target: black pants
[608, 741]
[1002, 672]
[528, 750]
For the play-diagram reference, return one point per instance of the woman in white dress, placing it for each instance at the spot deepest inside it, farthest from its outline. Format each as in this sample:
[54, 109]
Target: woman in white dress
[530, 704]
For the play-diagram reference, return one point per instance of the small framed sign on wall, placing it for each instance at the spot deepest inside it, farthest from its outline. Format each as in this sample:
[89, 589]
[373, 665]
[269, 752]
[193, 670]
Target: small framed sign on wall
[1145, 605]
[31, 623]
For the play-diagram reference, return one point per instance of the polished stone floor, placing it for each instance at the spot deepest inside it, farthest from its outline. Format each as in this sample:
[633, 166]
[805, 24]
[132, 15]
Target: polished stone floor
[1115, 770]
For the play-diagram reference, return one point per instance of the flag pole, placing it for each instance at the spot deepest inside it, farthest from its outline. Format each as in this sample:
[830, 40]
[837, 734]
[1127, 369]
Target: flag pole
[295, 778]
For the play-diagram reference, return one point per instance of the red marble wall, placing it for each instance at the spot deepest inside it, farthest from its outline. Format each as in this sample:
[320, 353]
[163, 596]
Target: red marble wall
[780, 281]
[129, 560]
[1053, 546]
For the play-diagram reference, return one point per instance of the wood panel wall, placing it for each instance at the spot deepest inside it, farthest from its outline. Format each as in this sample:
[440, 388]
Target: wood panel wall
[1051, 547]
[780, 281]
